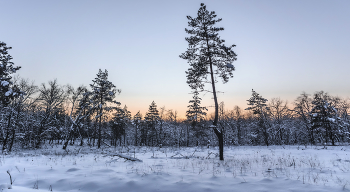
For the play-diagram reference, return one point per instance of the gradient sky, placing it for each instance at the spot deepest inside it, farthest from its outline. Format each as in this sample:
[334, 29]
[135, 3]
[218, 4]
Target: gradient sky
[283, 47]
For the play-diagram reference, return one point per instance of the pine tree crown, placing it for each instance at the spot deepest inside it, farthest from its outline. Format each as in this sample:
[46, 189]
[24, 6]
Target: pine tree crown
[206, 48]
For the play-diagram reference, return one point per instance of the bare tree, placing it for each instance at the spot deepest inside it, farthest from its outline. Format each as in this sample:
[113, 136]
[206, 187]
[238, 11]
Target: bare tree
[303, 107]
[238, 115]
[51, 99]
[75, 116]
[279, 112]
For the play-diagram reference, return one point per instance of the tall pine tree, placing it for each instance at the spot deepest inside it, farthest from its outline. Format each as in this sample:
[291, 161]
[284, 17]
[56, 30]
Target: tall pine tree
[208, 55]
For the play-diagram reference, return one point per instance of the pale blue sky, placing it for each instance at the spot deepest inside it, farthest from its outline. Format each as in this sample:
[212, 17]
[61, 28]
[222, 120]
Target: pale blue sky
[283, 47]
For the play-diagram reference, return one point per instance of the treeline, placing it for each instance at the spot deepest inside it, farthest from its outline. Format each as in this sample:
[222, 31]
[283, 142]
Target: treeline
[32, 116]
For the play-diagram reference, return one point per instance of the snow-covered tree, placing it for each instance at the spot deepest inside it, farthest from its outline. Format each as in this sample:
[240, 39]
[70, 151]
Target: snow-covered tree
[136, 121]
[118, 126]
[152, 118]
[208, 55]
[76, 115]
[152, 114]
[343, 107]
[303, 107]
[279, 114]
[238, 117]
[8, 90]
[259, 108]
[120, 123]
[162, 123]
[51, 100]
[103, 93]
[325, 120]
[195, 114]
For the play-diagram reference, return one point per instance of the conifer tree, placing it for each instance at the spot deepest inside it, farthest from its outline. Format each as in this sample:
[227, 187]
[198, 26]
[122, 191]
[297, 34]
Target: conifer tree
[119, 125]
[153, 114]
[137, 120]
[103, 94]
[258, 105]
[7, 90]
[195, 114]
[208, 55]
[152, 118]
[127, 114]
[195, 111]
[325, 120]
[120, 122]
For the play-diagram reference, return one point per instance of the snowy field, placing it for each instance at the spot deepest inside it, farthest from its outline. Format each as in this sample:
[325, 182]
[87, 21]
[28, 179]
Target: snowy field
[246, 168]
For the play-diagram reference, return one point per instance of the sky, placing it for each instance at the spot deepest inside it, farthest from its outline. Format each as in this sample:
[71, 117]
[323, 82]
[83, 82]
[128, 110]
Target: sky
[284, 48]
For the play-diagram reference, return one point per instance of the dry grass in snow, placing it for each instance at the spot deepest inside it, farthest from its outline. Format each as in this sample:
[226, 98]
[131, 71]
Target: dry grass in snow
[245, 168]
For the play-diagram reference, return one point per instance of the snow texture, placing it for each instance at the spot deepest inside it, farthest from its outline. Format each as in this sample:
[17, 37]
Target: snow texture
[8, 93]
[246, 168]
[4, 83]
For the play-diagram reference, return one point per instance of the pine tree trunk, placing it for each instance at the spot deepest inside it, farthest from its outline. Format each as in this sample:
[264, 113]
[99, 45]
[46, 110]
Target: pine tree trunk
[215, 123]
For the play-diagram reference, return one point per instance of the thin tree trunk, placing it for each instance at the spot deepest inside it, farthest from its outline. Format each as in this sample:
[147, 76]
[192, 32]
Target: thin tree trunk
[7, 132]
[136, 135]
[68, 138]
[12, 139]
[215, 123]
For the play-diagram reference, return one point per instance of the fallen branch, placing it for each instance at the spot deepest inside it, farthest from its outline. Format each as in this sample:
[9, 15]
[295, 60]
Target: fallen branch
[178, 154]
[126, 157]
[106, 144]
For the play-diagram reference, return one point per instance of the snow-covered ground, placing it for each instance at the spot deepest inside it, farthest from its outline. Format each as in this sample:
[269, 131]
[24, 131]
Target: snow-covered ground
[246, 168]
